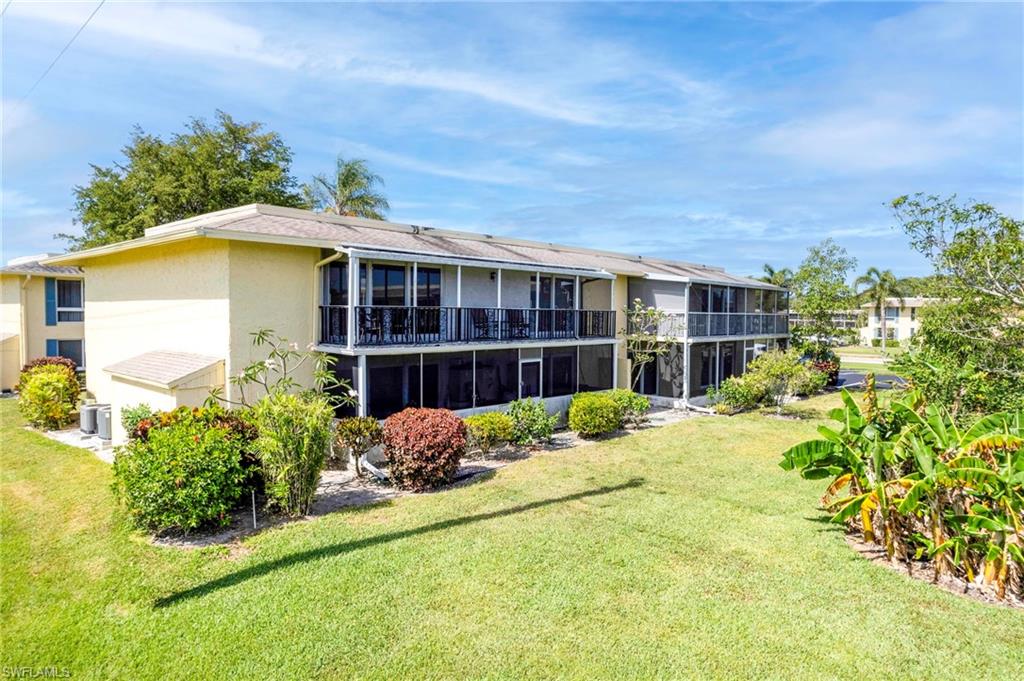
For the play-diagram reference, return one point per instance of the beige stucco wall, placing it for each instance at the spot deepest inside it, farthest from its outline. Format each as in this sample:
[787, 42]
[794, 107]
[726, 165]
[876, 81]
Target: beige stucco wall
[270, 287]
[171, 297]
[127, 393]
[10, 362]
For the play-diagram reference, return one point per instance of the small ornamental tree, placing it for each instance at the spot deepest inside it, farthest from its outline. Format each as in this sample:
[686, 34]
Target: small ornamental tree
[424, 447]
[646, 336]
[359, 434]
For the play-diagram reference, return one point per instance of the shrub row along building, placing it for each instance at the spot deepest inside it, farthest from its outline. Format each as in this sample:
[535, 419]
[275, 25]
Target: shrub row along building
[414, 315]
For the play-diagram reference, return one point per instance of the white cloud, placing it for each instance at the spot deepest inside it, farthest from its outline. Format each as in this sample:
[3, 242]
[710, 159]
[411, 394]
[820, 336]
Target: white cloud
[173, 27]
[491, 172]
[878, 138]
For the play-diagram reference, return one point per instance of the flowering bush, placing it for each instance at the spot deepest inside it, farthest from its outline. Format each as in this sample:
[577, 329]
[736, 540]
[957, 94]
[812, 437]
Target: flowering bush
[184, 470]
[424, 447]
[489, 430]
[48, 394]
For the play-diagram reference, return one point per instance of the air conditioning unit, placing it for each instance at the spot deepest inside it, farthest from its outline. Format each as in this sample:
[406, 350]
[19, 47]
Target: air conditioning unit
[87, 418]
[103, 422]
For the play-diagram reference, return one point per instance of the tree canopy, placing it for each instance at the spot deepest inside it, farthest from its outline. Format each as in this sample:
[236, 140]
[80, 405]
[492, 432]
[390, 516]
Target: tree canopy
[970, 346]
[820, 289]
[203, 169]
[351, 191]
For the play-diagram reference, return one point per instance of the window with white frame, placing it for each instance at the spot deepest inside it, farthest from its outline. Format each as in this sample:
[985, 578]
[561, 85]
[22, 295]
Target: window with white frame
[70, 306]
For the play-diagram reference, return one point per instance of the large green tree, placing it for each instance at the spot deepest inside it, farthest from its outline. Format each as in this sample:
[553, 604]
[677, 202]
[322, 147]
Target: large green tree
[207, 167]
[878, 289]
[820, 290]
[352, 191]
[969, 350]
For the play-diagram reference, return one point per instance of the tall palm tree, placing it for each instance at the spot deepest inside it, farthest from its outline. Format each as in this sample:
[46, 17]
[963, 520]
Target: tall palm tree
[879, 288]
[352, 191]
[783, 277]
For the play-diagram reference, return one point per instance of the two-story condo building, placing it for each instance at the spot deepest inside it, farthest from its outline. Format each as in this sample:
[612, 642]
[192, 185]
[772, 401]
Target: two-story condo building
[41, 314]
[414, 315]
[901, 320]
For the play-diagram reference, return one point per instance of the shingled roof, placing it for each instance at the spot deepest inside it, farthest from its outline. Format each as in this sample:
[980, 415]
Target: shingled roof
[293, 226]
[163, 368]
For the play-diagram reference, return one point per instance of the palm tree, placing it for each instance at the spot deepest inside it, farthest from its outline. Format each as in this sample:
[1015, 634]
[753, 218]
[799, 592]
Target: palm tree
[782, 278]
[351, 192]
[880, 287]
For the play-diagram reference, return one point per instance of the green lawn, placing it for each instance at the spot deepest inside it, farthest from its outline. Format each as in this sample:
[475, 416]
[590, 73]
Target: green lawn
[682, 551]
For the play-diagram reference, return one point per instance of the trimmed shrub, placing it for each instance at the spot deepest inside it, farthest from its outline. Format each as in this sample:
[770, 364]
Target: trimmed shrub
[132, 416]
[809, 382]
[424, 447]
[359, 434]
[48, 395]
[737, 393]
[889, 343]
[295, 433]
[530, 421]
[593, 414]
[183, 474]
[489, 430]
[633, 407]
[45, 362]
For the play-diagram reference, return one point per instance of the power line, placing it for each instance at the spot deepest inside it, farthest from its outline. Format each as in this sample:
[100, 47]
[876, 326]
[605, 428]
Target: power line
[4, 10]
[61, 53]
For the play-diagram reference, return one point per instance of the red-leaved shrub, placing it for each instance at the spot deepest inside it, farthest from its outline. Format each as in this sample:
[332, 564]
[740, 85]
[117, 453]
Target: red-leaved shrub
[423, 447]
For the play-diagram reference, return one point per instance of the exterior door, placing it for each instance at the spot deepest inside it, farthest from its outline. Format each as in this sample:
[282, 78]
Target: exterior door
[529, 378]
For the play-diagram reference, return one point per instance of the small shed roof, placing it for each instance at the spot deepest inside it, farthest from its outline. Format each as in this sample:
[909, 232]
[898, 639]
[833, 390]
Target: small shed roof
[163, 368]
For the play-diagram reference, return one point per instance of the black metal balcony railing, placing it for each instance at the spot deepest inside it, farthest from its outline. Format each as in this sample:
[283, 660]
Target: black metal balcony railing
[431, 325]
[737, 323]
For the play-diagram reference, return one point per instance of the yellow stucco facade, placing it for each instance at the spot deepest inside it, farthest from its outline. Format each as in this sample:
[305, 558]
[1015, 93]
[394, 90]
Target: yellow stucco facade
[204, 296]
[23, 329]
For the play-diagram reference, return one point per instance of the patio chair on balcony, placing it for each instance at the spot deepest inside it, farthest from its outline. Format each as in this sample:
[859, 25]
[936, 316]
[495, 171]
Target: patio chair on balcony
[483, 325]
[518, 324]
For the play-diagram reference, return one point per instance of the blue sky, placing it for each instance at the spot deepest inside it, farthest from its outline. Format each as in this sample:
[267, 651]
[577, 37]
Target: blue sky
[729, 134]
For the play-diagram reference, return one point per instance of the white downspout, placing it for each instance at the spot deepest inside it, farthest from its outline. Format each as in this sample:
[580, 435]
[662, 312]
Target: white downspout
[23, 323]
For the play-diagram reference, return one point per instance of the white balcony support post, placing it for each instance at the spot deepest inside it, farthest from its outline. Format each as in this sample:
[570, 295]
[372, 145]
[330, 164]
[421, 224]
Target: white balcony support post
[576, 293]
[363, 383]
[415, 273]
[536, 298]
[686, 315]
[352, 298]
[685, 345]
[499, 287]
[718, 364]
[458, 286]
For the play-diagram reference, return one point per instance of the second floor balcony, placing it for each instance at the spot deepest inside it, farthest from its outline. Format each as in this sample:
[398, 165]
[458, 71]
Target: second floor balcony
[419, 325]
[721, 324]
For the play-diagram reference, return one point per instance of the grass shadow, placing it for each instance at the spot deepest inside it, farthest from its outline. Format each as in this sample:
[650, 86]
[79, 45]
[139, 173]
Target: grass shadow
[261, 569]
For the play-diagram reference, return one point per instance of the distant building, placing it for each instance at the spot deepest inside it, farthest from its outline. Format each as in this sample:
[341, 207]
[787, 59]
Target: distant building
[41, 315]
[901, 321]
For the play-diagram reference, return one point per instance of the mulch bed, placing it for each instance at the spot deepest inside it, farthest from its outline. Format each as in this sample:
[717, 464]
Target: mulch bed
[924, 571]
